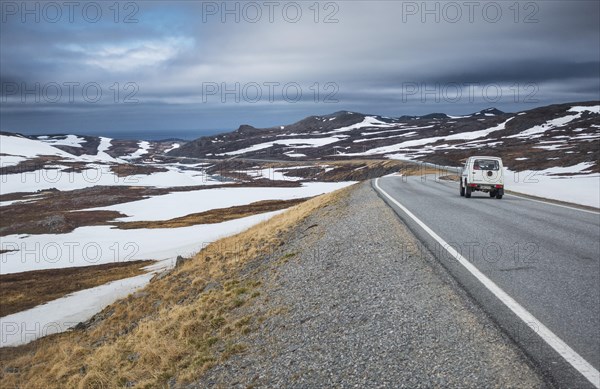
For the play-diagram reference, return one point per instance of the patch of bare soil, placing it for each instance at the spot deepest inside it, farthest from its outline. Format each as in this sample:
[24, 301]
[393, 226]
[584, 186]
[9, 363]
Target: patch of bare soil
[215, 215]
[89, 146]
[125, 170]
[58, 212]
[324, 170]
[30, 165]
[354, 170]
[57, 222]
[25, 195]
[21, 291]
[47, 162]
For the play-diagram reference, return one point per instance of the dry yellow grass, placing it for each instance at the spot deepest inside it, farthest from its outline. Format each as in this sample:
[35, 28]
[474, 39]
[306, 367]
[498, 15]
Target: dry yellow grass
[183, 323]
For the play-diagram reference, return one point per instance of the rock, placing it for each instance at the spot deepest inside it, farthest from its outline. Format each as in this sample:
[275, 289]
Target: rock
[160, 275]
[211, 286]
[139, 294]
[181, 260]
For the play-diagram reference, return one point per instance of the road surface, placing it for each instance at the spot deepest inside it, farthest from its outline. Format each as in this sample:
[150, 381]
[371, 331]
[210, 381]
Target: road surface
[544, 256]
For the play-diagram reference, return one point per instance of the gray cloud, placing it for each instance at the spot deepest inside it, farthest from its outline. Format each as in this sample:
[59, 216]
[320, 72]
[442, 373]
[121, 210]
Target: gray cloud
[373, 53]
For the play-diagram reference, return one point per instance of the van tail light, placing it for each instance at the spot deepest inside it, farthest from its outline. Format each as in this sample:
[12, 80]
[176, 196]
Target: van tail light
[473, 185]
[499, 186]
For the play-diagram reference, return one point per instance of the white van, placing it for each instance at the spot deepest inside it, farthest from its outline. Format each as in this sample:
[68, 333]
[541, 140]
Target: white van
[482, 174]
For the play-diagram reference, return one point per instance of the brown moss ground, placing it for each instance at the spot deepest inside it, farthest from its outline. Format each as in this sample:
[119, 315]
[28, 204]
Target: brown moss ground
[217, 215]
[358, 169]
[26, 290]
[179, 326]
[54, 222]
[125, 170]
[58, 212]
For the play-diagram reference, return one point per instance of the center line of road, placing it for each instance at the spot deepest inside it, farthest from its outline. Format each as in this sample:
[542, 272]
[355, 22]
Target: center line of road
[563, 349]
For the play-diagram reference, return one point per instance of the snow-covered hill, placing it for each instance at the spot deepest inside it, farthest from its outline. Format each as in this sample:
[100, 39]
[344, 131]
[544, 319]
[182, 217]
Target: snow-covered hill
[542, 138]
[554, 143]
[78, 148]
[66, 162]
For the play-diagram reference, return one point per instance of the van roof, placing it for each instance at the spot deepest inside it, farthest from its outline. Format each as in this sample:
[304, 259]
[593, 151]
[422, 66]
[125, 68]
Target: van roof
[485, 157]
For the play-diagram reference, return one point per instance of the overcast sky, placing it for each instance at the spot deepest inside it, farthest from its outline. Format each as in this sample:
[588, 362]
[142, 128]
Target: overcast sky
[154, 67]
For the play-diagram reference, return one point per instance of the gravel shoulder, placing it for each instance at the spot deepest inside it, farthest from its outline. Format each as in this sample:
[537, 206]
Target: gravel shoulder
[356, 304]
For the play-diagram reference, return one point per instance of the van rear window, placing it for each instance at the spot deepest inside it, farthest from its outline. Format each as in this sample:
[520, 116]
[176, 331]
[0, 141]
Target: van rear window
[486, 164]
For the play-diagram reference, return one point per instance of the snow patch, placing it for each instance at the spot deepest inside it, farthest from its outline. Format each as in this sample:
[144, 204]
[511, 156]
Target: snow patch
[295, 155]
[583, 189]
[297, 143]
[28, 148]
[173, 147]
[69, 140]
[144, 146]
[424, 141]
[580, 109]
[179, 204]
[368, 121]
[538, 131]
[97, 245]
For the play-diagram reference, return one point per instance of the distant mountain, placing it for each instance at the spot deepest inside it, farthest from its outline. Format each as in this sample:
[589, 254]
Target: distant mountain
[94, 147]
[435, 116]
[550, 136]
[489, 112]
[537, 139]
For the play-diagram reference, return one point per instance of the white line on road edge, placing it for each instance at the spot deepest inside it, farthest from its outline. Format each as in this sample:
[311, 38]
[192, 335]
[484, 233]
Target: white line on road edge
[563, 349]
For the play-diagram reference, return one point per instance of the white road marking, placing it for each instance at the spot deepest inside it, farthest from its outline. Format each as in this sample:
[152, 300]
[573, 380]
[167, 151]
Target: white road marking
[563, 349]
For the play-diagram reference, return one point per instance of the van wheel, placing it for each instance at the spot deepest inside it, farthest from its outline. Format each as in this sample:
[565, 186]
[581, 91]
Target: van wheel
[462, 189]
[498, 196]
[468, 192]
[492, 193]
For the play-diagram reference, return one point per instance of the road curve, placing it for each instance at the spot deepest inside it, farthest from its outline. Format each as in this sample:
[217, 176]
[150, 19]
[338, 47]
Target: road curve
[545, 257]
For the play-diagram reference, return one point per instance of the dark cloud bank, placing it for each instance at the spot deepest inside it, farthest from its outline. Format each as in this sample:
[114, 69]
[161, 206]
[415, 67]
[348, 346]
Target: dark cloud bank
[154, 67]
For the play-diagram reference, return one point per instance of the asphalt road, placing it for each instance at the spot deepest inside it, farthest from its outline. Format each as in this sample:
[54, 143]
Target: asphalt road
[546, 257]
[352, 313]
